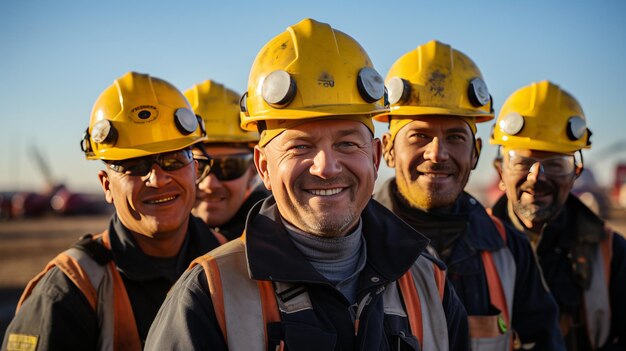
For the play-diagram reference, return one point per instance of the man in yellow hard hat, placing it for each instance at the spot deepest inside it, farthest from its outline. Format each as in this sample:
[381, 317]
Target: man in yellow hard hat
[228, 184]
[437, 96]
[104, 292]
[541, 130]
[321, 266]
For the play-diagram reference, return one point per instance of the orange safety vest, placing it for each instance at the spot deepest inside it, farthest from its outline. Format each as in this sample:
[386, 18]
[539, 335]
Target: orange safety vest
[495, 332]
[243, 305]
[104, 289]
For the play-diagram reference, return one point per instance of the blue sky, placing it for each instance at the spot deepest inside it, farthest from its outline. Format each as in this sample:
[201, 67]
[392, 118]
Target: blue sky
[57, 56]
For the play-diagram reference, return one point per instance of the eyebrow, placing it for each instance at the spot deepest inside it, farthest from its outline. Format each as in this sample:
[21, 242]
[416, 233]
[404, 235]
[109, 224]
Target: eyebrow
[447, 131]
[347, 132]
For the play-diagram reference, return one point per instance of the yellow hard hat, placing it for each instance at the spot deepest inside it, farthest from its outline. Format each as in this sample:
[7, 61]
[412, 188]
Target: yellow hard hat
[139, 115]
[542, 116]
[311, 71]
[436, 79]
[219, 108]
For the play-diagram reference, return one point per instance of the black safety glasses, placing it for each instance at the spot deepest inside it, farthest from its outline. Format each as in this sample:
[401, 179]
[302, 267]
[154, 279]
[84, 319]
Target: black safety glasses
[228, 167]
[140, 166]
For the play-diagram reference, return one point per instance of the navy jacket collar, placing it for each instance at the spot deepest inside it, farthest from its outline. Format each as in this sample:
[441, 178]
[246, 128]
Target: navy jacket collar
[138, 266]
[575, 220]
[392, 245]
[466, 208]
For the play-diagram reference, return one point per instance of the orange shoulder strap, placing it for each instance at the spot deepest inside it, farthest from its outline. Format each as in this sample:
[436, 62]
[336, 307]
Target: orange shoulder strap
[266, 293]
[70, 267]
[496, 291]
[212, 272]
[126, 333]
[412, 304]
[606, 247]
[500, 226]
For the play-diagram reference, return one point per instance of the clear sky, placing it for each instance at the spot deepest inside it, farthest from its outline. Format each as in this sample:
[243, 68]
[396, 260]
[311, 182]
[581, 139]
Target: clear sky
[57, 56]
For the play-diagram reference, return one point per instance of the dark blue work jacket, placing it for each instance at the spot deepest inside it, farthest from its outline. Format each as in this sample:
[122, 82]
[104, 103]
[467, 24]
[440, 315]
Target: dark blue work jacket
[187, 319]
[470, 231]
[561, 253]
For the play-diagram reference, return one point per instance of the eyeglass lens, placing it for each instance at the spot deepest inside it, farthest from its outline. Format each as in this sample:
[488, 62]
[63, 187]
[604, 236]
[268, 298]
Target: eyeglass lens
[555, 165]
[140, 166]
[225, 167]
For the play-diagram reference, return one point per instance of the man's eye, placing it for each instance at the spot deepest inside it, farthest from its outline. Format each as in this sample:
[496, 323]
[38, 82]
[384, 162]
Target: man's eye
[457, 137]
[346, 144]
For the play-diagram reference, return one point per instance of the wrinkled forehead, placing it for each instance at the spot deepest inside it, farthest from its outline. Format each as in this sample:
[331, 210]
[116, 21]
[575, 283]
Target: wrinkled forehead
[326, 129]
[446, 123]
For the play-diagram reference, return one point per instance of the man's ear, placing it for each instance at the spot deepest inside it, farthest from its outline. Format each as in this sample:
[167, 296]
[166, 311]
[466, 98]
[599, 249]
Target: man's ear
[497, 164]
[260, 162]
[106, 185]
[377, 153]
[388, 152]
[476, 154]
[253, 180]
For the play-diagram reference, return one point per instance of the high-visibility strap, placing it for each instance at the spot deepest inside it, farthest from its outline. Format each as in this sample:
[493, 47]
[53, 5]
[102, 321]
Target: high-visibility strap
[126, 336]
[440, 280]
[215, 289]
[606, 248]
[496, 292]
[413, 305]
[497, 296]
[268, 305]
[126, 333]
[499, 226]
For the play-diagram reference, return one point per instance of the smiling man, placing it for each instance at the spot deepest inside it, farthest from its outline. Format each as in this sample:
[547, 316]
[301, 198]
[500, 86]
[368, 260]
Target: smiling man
[437, 96]
[103, 293]
[541, 130]
[228, 191]
[321, 266]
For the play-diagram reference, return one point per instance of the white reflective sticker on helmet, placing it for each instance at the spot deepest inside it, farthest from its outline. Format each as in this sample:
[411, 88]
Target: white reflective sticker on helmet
[278, 88]
[512, 123]
[100, 131]
[576, 127]
[398, 90]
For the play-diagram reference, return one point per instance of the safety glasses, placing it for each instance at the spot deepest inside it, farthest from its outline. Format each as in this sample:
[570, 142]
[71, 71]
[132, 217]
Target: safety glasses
[140, 166]
[556, 165]
[228, 167]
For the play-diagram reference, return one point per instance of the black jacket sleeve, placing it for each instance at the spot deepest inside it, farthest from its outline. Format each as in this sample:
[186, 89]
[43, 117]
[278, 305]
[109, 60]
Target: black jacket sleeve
[186, 320]
[58, 315]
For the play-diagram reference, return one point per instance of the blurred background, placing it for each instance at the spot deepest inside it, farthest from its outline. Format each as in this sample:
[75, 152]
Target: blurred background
[57, 56]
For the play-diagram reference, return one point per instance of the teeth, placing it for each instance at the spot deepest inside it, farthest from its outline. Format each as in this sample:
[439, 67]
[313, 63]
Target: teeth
[435, 175]
[326, 192]
[160, 201]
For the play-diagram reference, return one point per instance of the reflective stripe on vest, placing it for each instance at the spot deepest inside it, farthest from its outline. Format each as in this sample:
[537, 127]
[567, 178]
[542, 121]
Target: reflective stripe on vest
[596, 299]
[243, 305]
[495, 332]
[104, 289]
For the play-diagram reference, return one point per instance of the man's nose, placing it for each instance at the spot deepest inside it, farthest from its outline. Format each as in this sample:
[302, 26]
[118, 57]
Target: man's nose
[535, 172]
[436, 151]
[157, 177]
[325, 164]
